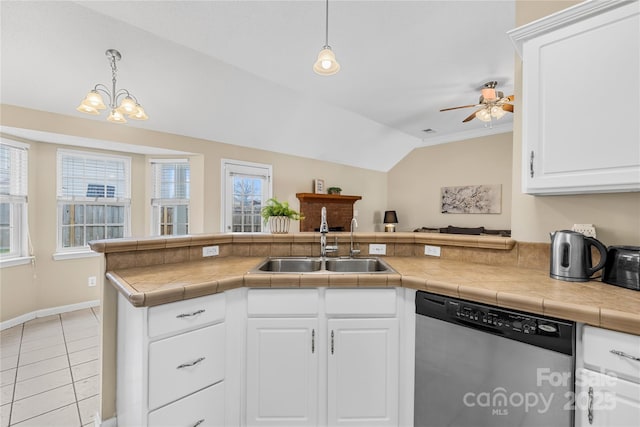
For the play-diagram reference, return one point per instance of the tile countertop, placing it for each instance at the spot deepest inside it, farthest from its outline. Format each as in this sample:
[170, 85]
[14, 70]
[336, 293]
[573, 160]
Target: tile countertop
[523, 289]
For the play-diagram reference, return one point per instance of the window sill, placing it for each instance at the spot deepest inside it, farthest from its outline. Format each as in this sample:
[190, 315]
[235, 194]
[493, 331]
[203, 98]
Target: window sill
[60, 256]
[12, 262]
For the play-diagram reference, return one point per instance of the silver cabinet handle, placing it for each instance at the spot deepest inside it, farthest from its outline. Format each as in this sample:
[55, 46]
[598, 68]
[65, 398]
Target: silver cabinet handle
[531, 165]
[331, 342]
[200, 421]
[313, 341]
[195, 313]
[623, 354]
[194, 363]
[590, 405]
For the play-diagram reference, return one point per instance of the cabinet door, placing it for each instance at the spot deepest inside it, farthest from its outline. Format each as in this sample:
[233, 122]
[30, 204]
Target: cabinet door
[363, 372]
[282, 372]
[606, 401]
[581, 103]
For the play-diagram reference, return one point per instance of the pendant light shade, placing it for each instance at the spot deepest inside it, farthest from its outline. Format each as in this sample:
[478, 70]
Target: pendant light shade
[326, 63]
[116, 117]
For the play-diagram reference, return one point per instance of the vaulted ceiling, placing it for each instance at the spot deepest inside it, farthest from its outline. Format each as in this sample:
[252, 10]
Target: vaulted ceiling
[240, 72]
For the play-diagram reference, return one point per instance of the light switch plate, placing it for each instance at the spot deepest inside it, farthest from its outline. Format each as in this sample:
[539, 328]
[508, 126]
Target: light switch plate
[210, 251]
[432, 250]
[377, 249]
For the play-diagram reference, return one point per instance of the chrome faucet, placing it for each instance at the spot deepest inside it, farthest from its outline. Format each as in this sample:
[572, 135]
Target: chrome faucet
[352, 251]
[324, 229]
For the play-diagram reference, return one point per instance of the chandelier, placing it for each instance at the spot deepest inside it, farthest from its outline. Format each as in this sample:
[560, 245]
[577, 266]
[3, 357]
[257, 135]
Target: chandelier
[129, 105]
[326, 63]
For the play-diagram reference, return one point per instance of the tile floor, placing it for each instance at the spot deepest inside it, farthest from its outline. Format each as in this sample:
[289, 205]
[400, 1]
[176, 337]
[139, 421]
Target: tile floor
[49, 371]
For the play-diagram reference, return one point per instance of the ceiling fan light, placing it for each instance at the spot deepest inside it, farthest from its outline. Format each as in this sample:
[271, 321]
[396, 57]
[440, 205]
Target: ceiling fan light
[483, 115]
[139, 114]
[128, 106]
[94, 100]
[497, 112]
[326, 63]
[87, 109]
[116, 117]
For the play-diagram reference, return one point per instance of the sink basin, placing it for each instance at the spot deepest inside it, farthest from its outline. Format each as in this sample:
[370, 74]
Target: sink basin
[290, 265]
[357, 265]
[320, 266]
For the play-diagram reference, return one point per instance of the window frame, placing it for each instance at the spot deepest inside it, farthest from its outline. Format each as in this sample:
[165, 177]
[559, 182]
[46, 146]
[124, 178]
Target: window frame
[124, 200]
[230, 167]
[18, 200]
[158, 203]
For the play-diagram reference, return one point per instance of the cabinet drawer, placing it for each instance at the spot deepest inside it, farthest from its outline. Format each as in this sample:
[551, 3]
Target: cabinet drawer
[361, 302]
[182, 315]
[204, 409]
[185, 363]
[598, 345]
[282, 302]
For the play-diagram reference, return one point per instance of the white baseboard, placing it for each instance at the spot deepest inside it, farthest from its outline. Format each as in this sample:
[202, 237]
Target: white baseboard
[111, 422]
[47, 312]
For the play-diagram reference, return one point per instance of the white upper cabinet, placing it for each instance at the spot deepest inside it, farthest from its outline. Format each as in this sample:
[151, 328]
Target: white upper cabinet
[581, 99]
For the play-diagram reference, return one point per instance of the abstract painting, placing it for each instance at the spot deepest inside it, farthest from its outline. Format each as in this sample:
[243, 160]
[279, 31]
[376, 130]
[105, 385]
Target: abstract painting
[472, 199]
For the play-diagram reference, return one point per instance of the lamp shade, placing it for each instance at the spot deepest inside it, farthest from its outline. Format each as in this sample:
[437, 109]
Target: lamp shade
[94, 100]
[116, 117]
[390, 217]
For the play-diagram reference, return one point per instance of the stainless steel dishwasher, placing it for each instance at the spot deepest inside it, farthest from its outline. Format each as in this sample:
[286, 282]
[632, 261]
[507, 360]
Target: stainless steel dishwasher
[483, 366]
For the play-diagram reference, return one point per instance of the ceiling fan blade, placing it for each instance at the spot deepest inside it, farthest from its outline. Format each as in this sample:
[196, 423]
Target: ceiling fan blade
[507, 107]
[455, 108]
[471, 117]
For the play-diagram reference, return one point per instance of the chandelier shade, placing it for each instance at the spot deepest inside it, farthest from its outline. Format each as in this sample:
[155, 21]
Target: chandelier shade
[121, 101]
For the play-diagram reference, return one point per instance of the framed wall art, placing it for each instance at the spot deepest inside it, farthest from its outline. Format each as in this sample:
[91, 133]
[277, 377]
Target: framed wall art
[472, 199]
[318, 186]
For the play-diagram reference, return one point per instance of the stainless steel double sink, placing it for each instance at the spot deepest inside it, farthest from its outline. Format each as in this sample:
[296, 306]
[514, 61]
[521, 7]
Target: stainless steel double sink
[322, 265]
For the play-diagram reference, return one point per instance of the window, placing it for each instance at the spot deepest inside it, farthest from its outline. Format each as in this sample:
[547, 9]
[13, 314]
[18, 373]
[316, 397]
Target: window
[246, 188]
[170, 197]
[94, 198]
[13, 199]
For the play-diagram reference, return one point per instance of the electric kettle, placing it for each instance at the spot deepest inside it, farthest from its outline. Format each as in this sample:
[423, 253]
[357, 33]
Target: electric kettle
[571, 256]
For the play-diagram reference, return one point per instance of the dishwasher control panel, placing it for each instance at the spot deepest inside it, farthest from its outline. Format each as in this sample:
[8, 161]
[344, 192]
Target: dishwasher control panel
[499, 319]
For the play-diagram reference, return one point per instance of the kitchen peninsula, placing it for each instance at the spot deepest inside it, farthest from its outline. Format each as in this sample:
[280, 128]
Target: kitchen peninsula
[151, 273]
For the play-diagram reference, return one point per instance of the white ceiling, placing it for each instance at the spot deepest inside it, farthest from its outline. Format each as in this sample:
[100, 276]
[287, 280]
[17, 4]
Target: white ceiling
[240, 72]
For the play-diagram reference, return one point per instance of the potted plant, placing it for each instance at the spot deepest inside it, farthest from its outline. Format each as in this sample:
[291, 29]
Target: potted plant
[278, 215]
[334, 190]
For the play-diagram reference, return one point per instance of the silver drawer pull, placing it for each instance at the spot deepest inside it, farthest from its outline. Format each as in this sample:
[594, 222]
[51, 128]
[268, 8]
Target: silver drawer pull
[194, 363]
[195, 313]
[623, 354]
[198, 423]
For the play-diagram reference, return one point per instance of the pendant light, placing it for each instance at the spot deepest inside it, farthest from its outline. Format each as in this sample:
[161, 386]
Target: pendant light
[326, 63]
[93, 102]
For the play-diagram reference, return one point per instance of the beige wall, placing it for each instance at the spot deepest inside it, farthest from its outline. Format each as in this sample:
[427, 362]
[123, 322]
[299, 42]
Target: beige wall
[615, 216]
[49, 283]
[415, 182]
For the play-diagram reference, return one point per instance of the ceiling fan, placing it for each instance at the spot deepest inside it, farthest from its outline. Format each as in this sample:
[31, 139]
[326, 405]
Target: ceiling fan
[493, 104]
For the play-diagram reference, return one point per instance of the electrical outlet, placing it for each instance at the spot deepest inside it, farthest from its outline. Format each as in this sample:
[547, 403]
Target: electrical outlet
[432, 250]
[210, 251]
[91, 281]
[586, 229]
[377, 249]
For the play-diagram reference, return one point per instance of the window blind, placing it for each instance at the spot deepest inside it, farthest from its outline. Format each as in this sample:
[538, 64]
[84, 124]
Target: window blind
[82, 175]
[171, 180]
[13, 169]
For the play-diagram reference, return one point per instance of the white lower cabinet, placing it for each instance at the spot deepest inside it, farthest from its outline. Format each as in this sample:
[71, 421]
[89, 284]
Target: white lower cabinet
[282, 372]
[289, 359]
[171, 363]
[608, 385]
[606, 401]
[363, 372]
